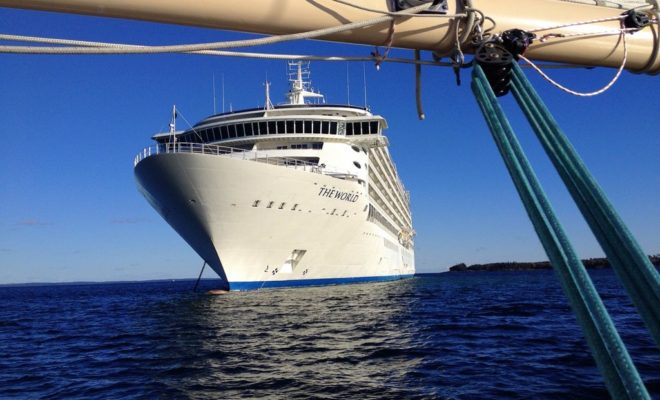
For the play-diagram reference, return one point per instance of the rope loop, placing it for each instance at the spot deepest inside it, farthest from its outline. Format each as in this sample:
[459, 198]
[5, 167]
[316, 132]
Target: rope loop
[586, 94]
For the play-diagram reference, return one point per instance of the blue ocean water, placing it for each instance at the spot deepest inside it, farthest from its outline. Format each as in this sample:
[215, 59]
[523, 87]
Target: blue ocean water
[508, 335]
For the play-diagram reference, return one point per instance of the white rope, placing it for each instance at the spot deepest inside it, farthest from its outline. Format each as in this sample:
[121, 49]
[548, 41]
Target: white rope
[185, 48]
[548, 36]
[593, 21]
[272, 56]
[581, 94]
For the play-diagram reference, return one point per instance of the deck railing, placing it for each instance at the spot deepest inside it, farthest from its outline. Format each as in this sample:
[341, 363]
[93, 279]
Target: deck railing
[263, 156]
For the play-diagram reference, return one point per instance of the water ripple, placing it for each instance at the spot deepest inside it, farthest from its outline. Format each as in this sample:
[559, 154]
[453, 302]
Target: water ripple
[453, 336]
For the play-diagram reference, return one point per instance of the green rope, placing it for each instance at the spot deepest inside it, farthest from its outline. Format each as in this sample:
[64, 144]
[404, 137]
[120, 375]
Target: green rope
[612, 358]
[639, 277]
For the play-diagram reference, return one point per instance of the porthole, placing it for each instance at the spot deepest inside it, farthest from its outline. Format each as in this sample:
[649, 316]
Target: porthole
[357, 164]
[355, 149]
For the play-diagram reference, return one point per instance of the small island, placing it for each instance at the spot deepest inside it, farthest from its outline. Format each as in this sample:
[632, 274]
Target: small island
[591, 263]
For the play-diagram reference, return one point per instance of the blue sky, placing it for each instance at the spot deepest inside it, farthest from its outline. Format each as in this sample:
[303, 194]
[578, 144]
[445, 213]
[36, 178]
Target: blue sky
[71, 126]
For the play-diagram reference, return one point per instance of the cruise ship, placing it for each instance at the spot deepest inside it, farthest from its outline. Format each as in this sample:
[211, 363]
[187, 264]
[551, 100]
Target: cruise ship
[301, 193]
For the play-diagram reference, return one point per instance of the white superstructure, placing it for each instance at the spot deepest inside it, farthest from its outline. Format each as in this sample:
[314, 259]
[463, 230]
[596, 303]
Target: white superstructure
[289, 195]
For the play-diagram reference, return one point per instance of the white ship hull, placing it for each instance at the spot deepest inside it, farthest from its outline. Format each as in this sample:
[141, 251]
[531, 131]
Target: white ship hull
[260, 225]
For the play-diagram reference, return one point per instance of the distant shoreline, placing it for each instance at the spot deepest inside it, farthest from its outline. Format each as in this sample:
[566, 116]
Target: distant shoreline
[590, 263]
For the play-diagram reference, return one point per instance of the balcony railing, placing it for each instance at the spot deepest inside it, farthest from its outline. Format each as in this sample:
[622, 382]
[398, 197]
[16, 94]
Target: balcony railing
[230, 152]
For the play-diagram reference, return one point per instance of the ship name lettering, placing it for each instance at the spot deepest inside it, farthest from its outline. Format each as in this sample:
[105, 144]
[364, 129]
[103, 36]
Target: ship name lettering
[339, 195]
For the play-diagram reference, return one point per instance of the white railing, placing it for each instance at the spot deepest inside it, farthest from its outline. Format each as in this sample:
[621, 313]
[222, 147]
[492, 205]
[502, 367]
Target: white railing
[224, 151]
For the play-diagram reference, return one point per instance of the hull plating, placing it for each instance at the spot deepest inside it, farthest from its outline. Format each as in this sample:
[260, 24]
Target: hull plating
[260, 225]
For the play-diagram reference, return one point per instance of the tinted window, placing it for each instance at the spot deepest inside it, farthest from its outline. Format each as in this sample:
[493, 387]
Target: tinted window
[232, 131]
[271, 127]
[289, 127]
[280, 127]
[374, 127]
[317, 127]
[263, 128]
[216, 133]
[225, 133]
[308, 126]
[240, 132]
[325, 127]
[349, 129]
[333, 128]
[357, 128]
[299, 127]
[248, 129]
[365, 128]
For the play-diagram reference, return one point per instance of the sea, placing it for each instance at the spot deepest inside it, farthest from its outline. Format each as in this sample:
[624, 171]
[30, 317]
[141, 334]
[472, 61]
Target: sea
[471, 335]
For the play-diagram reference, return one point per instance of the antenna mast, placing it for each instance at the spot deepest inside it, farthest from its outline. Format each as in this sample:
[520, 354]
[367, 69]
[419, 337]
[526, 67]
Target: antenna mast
[364, 82]
[269, 104]
[348, 87]
[214, 109]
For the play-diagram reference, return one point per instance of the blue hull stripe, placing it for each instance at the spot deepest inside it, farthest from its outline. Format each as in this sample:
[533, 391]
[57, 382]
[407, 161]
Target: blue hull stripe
[313, 282]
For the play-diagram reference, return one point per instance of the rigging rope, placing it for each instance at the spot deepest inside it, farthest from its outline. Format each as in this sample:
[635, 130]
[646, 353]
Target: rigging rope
[621, 377]
[587, 94]
[640, 279]
[18, 38]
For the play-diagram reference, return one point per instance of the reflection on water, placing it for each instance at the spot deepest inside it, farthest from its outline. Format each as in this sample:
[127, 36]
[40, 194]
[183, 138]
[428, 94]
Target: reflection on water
[322, 341]
[452, 336]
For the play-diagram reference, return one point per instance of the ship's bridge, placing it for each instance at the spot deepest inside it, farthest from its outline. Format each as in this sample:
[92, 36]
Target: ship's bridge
[325, 123]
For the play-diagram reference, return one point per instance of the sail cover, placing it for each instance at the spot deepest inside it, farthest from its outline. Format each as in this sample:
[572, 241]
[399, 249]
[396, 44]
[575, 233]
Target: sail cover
[622, 4]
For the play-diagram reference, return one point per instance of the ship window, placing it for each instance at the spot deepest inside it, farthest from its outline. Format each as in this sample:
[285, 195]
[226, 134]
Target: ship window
[317, 127]
[349, 129]
[365, 128]
[308, 126]
[299, 127]
[317, 145]
[256, 203]
[374, 127]
[216, 133]
[255, 128]
[325, 127]
[333, 128]
[248, 129]
[289, 127]
[272, 127]
[232, 131]
[355, 149]
[357, 164]
[357, 128]
[240, 132]
[263, 128]
[280, 127]
[225, 133]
